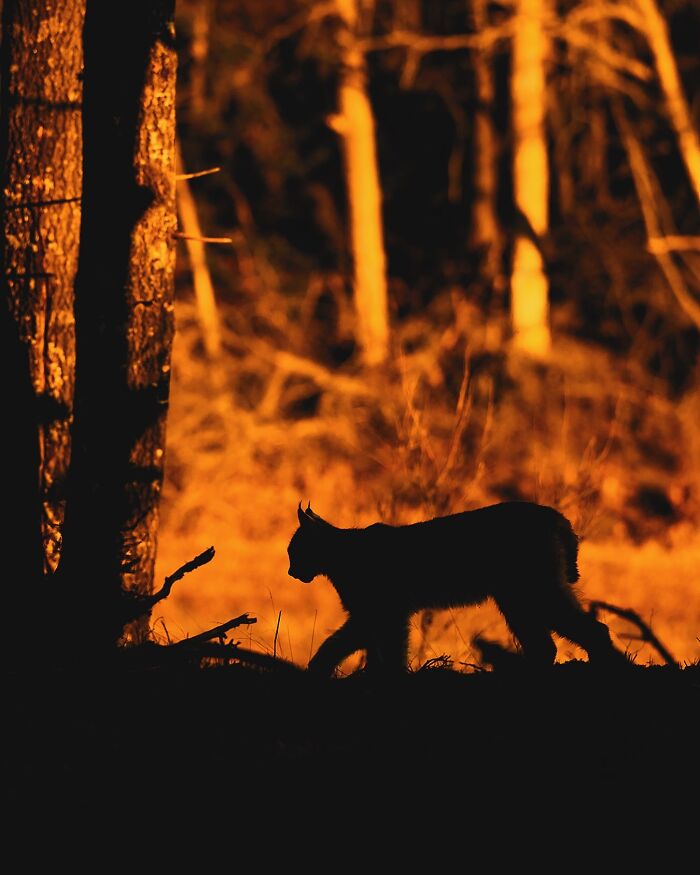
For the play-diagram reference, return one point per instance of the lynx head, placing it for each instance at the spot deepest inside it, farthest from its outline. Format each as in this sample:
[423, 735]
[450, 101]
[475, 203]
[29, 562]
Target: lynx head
[307, 548]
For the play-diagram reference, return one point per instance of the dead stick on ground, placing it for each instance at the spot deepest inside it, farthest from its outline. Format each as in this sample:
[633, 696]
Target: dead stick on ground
[216, 632]
[202, 559]
[633, 617]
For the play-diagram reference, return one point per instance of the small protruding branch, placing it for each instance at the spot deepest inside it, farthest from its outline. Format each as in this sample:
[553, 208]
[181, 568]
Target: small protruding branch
[673, 243]
[202, 559]
[197, 173]
[216, 632]
[181, 236]
[646, 633]
[423, 44]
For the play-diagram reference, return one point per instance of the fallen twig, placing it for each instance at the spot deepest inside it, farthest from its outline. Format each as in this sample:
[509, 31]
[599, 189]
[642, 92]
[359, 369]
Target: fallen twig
[646, 635]
[216, 632]
[263, 660]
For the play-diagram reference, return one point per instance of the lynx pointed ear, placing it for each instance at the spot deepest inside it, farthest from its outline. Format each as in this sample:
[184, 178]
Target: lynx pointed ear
[314, 516]
[301, 516]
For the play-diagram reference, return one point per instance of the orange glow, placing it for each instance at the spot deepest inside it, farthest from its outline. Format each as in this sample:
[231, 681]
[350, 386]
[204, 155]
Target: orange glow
[234, 480]
[597, 418]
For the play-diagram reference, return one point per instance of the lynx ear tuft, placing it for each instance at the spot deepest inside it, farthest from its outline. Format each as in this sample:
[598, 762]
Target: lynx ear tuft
[314, 516]
[301, 516]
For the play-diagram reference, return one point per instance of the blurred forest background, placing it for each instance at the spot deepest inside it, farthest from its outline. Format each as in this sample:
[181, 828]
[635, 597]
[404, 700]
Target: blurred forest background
[507, 305]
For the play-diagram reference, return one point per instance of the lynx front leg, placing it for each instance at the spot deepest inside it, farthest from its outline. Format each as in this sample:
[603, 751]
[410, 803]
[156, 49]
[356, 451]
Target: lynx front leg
[387, 645]
[539, 650]
[344, 641]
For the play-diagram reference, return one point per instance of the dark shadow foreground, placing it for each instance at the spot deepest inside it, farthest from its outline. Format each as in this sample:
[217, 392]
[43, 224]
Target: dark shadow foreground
[166, 737]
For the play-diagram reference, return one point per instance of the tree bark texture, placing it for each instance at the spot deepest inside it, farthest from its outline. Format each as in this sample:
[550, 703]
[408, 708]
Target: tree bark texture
[124, 301]
[41, 153]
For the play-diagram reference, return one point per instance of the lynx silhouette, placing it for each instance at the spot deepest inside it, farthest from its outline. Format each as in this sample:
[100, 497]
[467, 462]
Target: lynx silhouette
[524, 555]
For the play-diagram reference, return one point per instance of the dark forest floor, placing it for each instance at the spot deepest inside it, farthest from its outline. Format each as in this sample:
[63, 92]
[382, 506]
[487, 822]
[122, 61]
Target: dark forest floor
[275, 745]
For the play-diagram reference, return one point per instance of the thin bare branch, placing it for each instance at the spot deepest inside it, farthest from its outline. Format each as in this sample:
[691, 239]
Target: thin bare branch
[592, 13]
[609, 56]
[616, 81]
[181, 236]
[315, 12]
[659, 39]
[672, 243]
[290, 363]
[649, 195]
[646, 633]
[422, 44]
[202, 559]
[198, 173]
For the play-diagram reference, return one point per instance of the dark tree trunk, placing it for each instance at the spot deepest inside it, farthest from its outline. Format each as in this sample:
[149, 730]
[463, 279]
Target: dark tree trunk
[41, 155]
[124, 307]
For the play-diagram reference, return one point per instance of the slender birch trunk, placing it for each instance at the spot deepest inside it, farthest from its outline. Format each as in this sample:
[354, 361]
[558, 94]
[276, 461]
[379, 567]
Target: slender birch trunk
[529, 284]
[355, 124]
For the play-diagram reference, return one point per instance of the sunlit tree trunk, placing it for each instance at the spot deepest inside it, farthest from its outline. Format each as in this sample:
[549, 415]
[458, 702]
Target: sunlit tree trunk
[355, 124]
[124, 305]
[677, 107]
[486, 233]
[41, 153]
[529, 285]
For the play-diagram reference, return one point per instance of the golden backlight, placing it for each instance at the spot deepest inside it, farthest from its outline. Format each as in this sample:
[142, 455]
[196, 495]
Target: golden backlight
[234, 480]
[536, 366]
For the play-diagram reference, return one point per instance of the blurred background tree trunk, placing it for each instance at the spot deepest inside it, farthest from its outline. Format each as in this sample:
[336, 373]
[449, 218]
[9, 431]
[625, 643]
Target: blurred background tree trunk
[486, 232]
[41, 148]
[355, 125]
[199, 50]
[124, 305]
[529, 284]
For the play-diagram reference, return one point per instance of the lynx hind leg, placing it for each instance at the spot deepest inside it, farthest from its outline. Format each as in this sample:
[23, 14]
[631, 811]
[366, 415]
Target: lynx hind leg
[531, 630]
[571, 621]
[344, 641]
